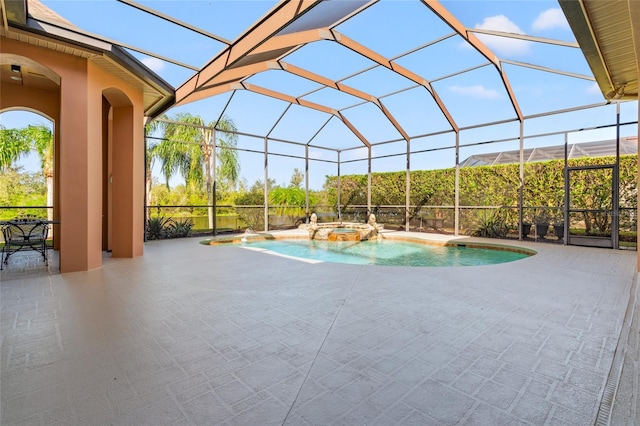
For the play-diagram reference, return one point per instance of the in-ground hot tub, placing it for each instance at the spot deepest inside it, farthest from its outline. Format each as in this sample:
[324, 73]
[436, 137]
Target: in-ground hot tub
[344, 234]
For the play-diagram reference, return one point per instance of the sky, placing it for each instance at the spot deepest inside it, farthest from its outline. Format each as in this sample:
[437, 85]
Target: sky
[395, 29]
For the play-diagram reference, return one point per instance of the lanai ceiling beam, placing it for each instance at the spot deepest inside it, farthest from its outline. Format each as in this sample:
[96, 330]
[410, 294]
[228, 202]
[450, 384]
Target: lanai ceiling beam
[346, 89]
[525, 37]
[282, 15]
[437, 8]
[302, 102]
[393, 66]
[288, 41]
[62, 30]
[550, 70]
[178, 22]
[215, 90]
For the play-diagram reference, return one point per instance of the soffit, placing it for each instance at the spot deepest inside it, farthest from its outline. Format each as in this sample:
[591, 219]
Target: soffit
[609, 34]
[28, 37]
[151, 97]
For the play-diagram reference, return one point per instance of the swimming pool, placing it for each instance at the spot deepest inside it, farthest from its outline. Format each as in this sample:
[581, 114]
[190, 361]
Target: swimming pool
[389, 252]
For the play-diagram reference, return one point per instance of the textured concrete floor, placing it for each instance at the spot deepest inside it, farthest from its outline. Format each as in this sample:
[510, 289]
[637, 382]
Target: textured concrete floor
[627, 396]
[219, 335]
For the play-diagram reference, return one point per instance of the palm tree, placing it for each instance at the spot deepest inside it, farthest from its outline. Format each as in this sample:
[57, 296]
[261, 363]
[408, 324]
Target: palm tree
[15, 143]
[229, 168]
[181, 150]
[289, 201]
[188, 149]
[41, 138]
[150, 158]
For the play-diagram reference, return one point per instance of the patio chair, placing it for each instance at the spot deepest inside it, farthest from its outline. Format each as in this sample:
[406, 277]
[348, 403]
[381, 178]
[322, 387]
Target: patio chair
[26, 218]
[24, 236]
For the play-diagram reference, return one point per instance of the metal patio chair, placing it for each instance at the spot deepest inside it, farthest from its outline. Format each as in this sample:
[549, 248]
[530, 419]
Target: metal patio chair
[24, 235]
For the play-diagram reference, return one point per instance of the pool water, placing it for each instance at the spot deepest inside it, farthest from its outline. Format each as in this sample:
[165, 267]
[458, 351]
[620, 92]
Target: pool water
[386, 252]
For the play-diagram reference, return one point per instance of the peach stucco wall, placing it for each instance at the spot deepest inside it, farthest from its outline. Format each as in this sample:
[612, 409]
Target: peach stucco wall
[127, 166]
[79, 156]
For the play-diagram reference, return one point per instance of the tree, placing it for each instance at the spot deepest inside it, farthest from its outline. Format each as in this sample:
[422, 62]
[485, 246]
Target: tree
[41, 138]
[291, 201]
[229, 169]
[15, 143]
[188, 149]
[20, 188]
[249, 204]
[296, 178]
[150, 159]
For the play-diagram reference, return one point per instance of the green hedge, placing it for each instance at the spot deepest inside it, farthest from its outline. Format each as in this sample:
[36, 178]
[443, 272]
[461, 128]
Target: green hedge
[496, 186]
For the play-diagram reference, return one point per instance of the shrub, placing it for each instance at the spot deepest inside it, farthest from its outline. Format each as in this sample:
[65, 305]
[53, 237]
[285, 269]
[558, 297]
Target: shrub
[156, 227]
[179, 229]
[249, 208]
[161, 227]
[491, 226]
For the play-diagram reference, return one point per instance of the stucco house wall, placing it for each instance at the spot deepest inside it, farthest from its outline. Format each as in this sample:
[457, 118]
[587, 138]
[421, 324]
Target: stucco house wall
[76, 108]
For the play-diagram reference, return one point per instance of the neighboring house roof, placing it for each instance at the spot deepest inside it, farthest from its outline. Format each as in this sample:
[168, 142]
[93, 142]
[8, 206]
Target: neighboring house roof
[34, 23]
[628, 146]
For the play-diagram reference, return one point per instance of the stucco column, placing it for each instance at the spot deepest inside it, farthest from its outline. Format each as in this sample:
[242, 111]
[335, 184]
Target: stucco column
[80, 172]
[127, 188]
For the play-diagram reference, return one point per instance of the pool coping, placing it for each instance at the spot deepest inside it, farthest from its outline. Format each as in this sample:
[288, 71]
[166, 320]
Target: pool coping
[413, 237]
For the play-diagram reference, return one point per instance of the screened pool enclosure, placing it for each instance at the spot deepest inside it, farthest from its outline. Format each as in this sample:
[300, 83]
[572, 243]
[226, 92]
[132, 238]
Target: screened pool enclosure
[456, 117]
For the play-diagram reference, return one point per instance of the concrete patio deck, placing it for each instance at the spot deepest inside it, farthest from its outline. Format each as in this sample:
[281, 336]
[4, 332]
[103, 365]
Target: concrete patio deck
[191, 334]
